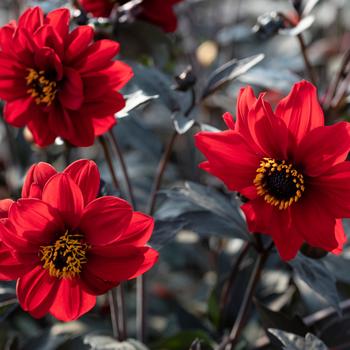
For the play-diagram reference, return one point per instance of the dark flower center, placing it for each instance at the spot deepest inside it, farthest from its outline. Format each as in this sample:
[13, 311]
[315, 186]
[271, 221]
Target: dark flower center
[66, 256]
[279, 182]
[41, 88]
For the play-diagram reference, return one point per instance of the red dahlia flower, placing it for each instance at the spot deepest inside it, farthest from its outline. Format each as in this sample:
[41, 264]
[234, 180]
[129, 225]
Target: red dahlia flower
[8, 263]
[70, 246]
[59, 83]
[158, 12]
[289, 165]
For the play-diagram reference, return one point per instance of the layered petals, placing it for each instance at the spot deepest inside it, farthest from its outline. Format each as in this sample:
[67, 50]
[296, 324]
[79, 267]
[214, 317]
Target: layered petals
[109, 216]
[86, 175]
[44, 78]
[36, 178]
[301, 110]
[158, 12]
[63, 194]
[229, 158]
[71, 301]
[36, 291]
[291, 168]
[316, 156]
[69, 246]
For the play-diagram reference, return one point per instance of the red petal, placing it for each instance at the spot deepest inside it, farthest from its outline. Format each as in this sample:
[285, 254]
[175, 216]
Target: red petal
[37, 175]
[95, 285]
[333, 189]
[77, 42]
[59, 19]
[36, 291]
[12, 88]
[314, 222]
[71, 94]
[25, 251]
[43, 136]
[99, 56]
[121, 264]
[10, 267]
[71, 301]
[139, 231]
[267, 132]
[100, 8]
[229, 158]
[301, 110]
[228, 119]
[102, 125]
[4, 207]
[119, 73]
[35, 220]
[340, 236]
[105, 219]
[6, 35]
[62, 193]
[323, 148]
[73, 126]
[31, 19]
[18, 112]
[160, 13]
[104, 106]
[86, 175]
[47, 37]
[245, 101]
[46, 59]
[265, 218]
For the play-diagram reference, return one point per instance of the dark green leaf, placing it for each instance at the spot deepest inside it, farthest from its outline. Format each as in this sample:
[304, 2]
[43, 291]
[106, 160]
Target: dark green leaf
[134, 100]
[274, 319]
[317, 276]
[291, 341]
[183, 340]
[229, 71]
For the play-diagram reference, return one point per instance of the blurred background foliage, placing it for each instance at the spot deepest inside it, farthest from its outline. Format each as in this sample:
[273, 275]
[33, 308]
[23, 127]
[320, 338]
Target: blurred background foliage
[200, 230]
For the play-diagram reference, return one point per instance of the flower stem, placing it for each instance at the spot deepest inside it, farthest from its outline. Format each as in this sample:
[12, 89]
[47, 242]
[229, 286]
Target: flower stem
[113, 305]
[308, 65]
[303, 48]
[334, 87]
[160, 172]
[235, 268]
[141, 307]
[117, 303]
[141, 280]
[230, 341]
[109, 162]
[121, 311]
[130, 193]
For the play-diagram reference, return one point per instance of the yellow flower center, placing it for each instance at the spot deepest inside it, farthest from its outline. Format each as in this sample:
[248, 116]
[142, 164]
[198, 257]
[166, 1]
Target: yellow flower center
[41, 88]
[66, 257]
[279, 182]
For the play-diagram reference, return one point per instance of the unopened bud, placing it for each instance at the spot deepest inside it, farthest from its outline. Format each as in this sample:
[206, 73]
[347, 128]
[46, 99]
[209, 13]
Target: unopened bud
[268, 24]
[185, 80]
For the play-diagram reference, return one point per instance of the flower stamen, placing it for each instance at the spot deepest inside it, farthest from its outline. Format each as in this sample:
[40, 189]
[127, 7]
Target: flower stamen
[66, 257]
[41, 89]
[279, 183]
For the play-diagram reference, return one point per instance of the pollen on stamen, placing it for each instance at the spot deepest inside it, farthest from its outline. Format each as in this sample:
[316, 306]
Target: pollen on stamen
[279, 183]
[41, 89]
[66, 256]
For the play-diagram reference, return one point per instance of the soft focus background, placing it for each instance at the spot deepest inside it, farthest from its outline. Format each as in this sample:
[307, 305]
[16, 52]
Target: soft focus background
[199, 228]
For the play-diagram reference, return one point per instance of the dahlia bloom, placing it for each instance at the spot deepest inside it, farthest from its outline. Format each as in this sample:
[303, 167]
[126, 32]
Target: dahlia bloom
[70, 246]
[59, 83]
[289, 165]
[158, 12]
